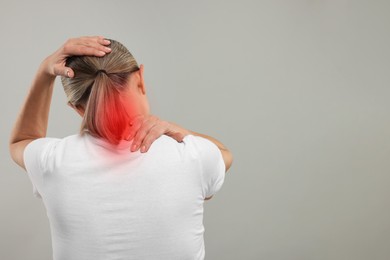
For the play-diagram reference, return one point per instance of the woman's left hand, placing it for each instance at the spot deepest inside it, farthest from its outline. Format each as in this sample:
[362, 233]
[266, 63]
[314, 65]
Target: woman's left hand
[54, 65]
[146, 129]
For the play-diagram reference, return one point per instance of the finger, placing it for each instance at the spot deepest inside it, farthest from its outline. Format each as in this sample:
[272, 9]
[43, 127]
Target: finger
[134, 126]
[99, 38]
[88, 39]
[152, 135]
[85, 46]
[68, 72]
[97, 42]
[87, 50]
[63, 71]
[140, 135]
[103, 40]
[142, 132]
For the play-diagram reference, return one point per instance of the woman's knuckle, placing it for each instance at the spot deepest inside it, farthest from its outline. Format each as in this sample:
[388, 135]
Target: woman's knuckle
[164, 124]
[136, 141]
[154, 132]
[65, 48]
[141, 133]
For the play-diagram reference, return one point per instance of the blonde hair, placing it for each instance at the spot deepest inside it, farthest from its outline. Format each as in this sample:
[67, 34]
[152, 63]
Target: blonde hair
[97, 87]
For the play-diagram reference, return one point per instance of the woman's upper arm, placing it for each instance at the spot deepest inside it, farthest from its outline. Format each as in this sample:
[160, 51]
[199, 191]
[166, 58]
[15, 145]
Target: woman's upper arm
[17, 151]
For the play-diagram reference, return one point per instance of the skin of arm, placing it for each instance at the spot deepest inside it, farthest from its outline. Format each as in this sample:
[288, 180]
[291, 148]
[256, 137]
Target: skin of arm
[33, 118]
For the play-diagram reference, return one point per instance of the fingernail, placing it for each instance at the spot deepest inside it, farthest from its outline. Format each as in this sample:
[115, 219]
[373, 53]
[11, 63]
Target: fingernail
[68, 73]
[107, 49]
[102, 53]
[143, 149]
[134, 147]
[106, 41]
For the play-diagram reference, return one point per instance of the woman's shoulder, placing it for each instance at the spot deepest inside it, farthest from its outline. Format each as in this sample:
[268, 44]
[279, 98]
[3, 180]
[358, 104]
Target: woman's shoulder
[191, 145]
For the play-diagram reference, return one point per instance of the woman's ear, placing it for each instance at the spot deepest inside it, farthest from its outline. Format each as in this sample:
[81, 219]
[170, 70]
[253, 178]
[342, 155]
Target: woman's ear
[142, 82]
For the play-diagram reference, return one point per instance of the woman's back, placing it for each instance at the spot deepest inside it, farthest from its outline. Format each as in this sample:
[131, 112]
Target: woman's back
[104, 202]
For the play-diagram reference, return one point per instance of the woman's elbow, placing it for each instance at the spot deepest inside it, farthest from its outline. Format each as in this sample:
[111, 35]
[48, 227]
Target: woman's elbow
[227, 158]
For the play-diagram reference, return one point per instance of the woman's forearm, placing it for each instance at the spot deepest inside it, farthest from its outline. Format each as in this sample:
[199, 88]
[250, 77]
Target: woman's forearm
[33, 118]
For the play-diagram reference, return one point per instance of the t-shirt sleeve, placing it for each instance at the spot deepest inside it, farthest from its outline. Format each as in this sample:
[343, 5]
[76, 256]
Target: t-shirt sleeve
[212, 164]
[38, 159]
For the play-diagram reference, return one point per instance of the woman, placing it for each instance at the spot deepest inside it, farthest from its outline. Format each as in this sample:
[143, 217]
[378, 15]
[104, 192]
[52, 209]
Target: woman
[109, 193]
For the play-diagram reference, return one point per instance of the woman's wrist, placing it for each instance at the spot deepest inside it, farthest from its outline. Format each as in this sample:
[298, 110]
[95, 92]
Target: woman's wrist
[44, 69]
[178, 130]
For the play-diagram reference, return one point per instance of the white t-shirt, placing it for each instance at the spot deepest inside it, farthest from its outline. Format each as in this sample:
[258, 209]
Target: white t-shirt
[105, 202]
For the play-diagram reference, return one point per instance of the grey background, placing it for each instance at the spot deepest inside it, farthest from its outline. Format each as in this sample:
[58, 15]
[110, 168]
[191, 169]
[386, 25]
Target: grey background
[298, 90]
